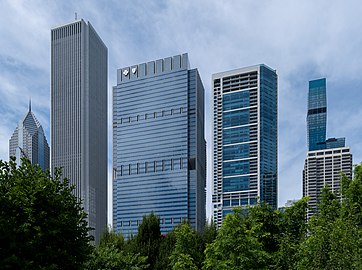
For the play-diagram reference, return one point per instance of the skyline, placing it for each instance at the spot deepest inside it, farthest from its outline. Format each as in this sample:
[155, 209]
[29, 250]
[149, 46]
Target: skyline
[302, 41]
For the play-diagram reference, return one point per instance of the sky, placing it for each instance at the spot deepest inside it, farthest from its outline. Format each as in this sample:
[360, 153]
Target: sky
[302, 40]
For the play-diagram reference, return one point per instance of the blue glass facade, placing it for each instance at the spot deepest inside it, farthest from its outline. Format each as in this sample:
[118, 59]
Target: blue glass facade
[245, 139]
[317, 114]
[159, 151]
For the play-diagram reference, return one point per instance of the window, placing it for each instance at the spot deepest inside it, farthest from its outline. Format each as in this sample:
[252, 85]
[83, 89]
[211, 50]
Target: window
[192, 164]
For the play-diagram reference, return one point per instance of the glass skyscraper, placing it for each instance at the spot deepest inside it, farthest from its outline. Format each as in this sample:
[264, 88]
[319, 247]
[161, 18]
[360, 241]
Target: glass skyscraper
[245, 139]
[317, 114]
[28, 140]
[159, 151]
[326, 159]
[79, 115]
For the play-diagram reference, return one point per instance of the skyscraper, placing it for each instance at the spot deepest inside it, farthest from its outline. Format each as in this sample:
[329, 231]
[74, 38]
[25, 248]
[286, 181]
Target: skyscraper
[326, 159]
[159, 152]
[79, 115]
[245, 139]
[28, 140]
[317, 114]
[323, 168]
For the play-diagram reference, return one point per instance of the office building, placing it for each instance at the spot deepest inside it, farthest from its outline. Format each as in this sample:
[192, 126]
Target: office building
[28, 140]
[79, 115]
[159, 151]
[245, 139]
[326, 158]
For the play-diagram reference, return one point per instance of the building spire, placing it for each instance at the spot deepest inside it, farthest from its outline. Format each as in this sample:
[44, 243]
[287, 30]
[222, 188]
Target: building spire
[29, 104]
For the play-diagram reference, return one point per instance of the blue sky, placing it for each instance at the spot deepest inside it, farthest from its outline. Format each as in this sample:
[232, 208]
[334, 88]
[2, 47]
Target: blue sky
[302, 40]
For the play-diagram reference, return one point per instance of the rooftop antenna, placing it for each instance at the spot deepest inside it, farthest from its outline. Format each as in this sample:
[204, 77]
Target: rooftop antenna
[29, 104]
[76, 17]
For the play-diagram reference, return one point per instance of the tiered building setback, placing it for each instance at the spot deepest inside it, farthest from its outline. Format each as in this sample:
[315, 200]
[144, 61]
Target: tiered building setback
[326, 159]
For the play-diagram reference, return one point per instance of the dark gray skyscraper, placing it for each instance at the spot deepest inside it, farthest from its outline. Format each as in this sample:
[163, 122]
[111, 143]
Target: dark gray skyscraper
[159, 156]
[79, 115]
[28, 140]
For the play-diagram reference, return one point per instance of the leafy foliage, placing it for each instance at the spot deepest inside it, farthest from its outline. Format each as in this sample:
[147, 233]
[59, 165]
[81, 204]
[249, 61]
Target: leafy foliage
[42, 224]
[335, 233]
[110, 254]
[188, 250]
[148, 238]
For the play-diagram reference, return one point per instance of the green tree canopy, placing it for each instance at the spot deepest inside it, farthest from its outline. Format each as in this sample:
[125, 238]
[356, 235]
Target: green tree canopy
[188, 250]
[148, 239]
[235, 246]
[42, 224]
[335, 233]
[110, 254]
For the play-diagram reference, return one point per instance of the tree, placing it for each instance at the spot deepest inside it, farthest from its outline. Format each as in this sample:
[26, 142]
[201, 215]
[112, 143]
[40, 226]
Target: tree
[188, 251]
[110, 254]
[335, 233]
[236, 246]
[293, 231]
[148, 239]
[352, 197]
[42, 224]
[209, 233]
[166, 247]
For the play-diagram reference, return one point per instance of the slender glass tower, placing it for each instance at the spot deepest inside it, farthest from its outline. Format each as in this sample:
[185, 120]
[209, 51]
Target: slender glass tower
[317, 114]
[79, 115]
[159, 156]
[245, 140]
[28, 140]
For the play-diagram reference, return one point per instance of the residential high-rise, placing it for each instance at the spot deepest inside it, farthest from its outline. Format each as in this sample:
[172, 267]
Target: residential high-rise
[79, 115]
[245, 139]
[326, 159]
[159, 150]
[28, 140]
[321, 168]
